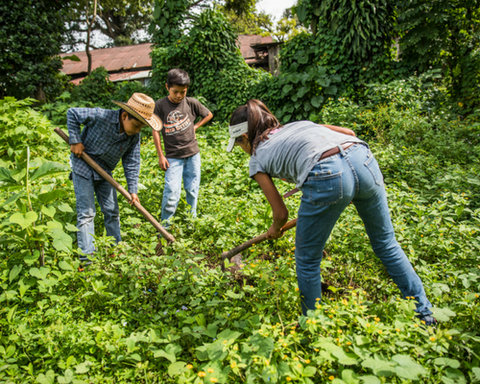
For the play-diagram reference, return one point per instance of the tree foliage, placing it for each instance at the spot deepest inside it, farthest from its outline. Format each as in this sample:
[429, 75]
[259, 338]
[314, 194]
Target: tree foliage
[119, 21]
[216, 67]
[30, 39]
[446, 34]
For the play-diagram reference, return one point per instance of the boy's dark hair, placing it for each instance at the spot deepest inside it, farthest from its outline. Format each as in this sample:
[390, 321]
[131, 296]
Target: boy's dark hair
[179, 77]
[260, 121]
[129, 116]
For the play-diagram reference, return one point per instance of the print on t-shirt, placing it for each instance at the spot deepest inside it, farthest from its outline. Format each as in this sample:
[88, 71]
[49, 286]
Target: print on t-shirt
[176, 122]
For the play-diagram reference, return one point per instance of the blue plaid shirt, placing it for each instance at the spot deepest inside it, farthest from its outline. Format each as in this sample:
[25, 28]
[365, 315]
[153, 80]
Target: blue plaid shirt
[104, 143]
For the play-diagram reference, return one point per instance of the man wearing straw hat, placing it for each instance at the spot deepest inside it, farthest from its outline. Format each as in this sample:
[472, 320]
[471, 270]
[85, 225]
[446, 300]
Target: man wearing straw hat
[108, 136]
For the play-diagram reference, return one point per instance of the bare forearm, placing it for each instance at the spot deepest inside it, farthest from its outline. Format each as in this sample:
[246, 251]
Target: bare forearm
[204, 121]
[345, 131]
[158, 143]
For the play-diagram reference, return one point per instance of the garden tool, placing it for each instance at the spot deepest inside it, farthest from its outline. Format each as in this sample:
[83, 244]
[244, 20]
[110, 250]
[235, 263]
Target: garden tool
[256, 240]
[123, 191]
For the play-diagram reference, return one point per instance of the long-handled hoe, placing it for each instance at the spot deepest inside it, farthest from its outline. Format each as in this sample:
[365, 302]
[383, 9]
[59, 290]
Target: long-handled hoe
[170, 239]
[229, 254]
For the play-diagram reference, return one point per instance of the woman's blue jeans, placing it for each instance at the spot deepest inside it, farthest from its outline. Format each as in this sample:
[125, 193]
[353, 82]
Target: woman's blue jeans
[187, 169]
[85, 191]
[353, 175]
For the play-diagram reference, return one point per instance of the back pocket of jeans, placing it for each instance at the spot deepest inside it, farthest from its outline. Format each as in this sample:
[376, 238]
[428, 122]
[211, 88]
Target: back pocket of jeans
[374, 169]
[323, 189]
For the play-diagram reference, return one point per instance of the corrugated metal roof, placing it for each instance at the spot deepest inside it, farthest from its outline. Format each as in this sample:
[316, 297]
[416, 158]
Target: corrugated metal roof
[118, 59]
[246, 41]
[113, 59]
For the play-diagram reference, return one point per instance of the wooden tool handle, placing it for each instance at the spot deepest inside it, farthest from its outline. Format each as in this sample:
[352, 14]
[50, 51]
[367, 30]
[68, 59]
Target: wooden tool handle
[120, 189]
[256, 240]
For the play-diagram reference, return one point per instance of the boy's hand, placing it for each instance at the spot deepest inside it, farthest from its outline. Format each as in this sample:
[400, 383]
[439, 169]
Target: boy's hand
[163, 163]
[77, 149]
[134, 199]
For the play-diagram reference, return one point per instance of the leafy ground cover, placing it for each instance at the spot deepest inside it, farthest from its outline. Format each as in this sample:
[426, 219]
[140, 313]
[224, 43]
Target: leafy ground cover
[135, 316]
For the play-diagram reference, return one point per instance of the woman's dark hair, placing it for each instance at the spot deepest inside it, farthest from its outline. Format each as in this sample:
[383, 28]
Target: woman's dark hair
[260, 121]
[179, 77]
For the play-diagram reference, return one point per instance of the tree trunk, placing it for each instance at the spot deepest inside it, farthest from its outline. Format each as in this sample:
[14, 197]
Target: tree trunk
[89, 32]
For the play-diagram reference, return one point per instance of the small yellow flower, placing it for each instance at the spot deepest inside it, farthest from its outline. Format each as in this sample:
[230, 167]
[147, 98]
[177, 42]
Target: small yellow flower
[307, 361]
[296, 289]
[260, 331]
[449, 337]
[415, 325]
[284, 344]
[309, 321]
[380, 331]
[211, 370]
[202, 374]
[233, 365]
[317, 299]
[255, 360]
[368, 324]
[316, 350]
[299, 365]
[213, 379]
[331, 377]
[284, 357]
[295, 358]
[432, 338]
[224, 341]
[376, 319]
[289, 378]
[314, 321]
[339, 331]
[349, 343]
[398, 329]
[189, 366]
[267, 362]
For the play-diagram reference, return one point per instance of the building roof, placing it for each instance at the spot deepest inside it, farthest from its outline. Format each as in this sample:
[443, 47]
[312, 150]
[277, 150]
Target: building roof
[132, 59]
[246, 42]
[114, 59]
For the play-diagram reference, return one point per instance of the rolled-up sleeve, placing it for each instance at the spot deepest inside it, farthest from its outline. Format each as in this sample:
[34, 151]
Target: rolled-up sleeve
[131, 167]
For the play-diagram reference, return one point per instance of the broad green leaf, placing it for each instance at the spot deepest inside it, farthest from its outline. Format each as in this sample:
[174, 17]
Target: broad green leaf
[6, 176]
[47, 378]
[49, 168]
[65, 208]
[407, 368]
[446, 362]
[31, 259]
[309, 371]
[49, 211]
[317, 101]
[11, 313]
[71, 228]
[50, 196]
[65, 266]
[345, 358]
[369, 379]
[211, 330]
[13, 198]
[443, 314]
[61, 241]
[39, 273]
[177, 368]
[287, 88]
[379, 367]
[24, 220]
[228, 334]
[83, 367]
[14, 272]
[476, 373]
[350, 377]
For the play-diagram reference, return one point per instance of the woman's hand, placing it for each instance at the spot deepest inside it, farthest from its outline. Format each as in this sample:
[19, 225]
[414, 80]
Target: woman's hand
[274, 233]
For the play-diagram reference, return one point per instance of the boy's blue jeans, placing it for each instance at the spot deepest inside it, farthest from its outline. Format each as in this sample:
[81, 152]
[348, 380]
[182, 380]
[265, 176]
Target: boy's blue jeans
[85, 191]
[187, 169]
[353, 175]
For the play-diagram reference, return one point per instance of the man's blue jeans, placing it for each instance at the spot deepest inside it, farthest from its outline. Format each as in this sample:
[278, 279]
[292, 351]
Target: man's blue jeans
[85, 191]
[353, 175]
[187, 169]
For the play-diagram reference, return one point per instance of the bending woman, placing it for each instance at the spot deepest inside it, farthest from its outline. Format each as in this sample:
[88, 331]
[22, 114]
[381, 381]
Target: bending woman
[332, 168]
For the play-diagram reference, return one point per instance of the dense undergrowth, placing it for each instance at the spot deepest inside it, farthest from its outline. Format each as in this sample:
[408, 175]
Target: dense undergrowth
[135, 316]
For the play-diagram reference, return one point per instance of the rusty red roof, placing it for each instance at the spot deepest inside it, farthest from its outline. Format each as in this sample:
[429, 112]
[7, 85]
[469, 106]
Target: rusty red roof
[113, 59]
[246, 41]
[131, 57]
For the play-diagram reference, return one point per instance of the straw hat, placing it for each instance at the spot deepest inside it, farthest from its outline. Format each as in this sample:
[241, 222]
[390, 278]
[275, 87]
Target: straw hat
[141, 107]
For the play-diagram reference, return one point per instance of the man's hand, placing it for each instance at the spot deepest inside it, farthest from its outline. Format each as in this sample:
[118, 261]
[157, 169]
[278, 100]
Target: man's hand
[77, 149]
[134, 199]
[274, 233]
[163, 163]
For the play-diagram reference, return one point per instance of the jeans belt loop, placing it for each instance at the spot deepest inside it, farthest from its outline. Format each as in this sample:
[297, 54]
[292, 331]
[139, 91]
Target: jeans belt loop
[339, 149]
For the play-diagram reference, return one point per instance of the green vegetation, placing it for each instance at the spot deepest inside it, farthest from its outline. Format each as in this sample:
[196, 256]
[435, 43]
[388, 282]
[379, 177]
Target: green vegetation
[135, 316]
